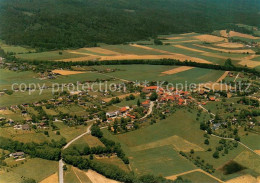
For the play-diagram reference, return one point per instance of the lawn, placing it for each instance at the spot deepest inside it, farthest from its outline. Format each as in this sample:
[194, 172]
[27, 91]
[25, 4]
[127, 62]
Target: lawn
[90, 140]
[35, 168]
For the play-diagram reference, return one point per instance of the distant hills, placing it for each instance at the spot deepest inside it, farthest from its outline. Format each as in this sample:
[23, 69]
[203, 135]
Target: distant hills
[57, 24]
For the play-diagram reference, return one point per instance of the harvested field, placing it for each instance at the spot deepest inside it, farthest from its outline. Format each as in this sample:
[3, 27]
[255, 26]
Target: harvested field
[190, 33]
[225, 50]
[177, 70]
[172, 38]
[187, 41]
[223, 33]
[66, 72]
[191, 49]
[222, 77]
[80, 53]
[51, 179]
[153, 49]
[249, 63]
[244, 179]
[98, 178]
[237, 34]
[177, 142]
[230, 45]
[257, 151]
[102, 51]
[210, 38]
[121, 96]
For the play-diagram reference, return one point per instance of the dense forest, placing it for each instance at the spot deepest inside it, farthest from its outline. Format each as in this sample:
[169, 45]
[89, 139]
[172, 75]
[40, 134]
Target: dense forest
[57, 24]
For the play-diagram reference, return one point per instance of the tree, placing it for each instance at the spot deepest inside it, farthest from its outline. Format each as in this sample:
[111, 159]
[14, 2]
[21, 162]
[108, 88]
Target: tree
[192, 151]
[216, 154]
[138, 103]
[153, 96]
[206, 141]
[65, 167]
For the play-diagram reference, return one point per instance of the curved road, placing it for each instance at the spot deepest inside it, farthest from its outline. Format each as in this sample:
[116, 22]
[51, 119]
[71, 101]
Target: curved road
[61, 179]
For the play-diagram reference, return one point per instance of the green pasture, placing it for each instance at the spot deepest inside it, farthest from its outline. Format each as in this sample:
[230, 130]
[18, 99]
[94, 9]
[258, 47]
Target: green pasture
[49, 55]
[37, 169]
[199, 177]
[15, 49]
[153, 73]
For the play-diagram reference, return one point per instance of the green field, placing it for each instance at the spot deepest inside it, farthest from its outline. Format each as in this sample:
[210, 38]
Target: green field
[15, 49]
[36, 168]
[153, 73]
[49, 55]
[199, 177]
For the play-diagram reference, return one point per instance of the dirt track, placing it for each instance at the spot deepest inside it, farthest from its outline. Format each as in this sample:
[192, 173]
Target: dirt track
[223, 76]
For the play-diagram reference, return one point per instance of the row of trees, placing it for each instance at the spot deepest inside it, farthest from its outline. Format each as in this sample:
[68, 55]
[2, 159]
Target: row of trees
[50, 151]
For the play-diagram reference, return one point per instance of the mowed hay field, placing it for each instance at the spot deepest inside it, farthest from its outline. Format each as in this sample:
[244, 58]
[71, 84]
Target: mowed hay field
[154, 73]
[35, 168]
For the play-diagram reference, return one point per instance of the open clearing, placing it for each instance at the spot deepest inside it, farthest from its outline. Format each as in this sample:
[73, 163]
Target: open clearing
[66, 72]
[210, 38]
[230, 45]
[177, 70]
[237, 34]
[227, 51]
[98, 178]
[244, 179]
[51, 179]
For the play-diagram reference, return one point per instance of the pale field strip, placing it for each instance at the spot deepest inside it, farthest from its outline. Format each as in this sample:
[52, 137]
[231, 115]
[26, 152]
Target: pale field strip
[120, 96]
[76, 174]
[173, 177]
[257, 151]
[210, 38]
[244, 179]
[230, 45]
[186, 41]
[102, 51]
[190, 33]
[222, 77]
[173, 38]
[177, 142]
[238, 34]
[177, 70]
[225, 50]
[191, 49]
[249, 63]
[80, 53]
[223, 33]
[98, 178]
[51, 179]
[66, 72]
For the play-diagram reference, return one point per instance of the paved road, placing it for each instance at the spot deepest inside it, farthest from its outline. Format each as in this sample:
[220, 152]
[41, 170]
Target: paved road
[61, 179]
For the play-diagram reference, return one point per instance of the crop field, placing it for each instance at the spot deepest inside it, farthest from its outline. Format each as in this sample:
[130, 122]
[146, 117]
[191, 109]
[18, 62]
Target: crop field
[154, 73]
[35, 168]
